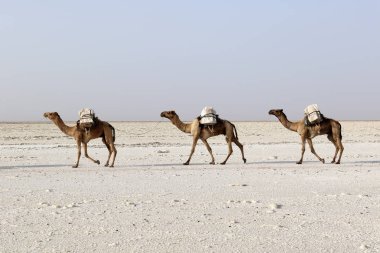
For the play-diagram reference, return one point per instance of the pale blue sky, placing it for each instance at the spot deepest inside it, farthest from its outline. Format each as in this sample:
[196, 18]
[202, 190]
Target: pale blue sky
[130, 60]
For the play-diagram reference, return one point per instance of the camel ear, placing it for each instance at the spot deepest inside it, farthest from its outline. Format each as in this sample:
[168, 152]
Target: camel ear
[281, 110]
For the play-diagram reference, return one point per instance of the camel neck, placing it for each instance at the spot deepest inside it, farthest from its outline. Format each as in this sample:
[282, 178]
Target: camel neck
[186, 128]
[288, 124]
[63, 127]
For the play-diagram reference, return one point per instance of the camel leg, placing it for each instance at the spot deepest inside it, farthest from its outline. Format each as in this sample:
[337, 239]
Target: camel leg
[341, 148]
[336, 147]
[109, 151]
[303, 139]
[337, 137]
[114, 151]
[86, 154]
[310, 142]
[241, 148]
[195, 140]
[78, 154]
[229, 144]
[209, 150]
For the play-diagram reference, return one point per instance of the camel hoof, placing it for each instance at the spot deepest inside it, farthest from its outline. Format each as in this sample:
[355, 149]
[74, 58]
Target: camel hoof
[74, 166]
[299, 162]
[106, 165]
[333, 161]
[97, 161]
[186, 163]
[212, 162]
[245, 160]
[223, 163]
[323, 160]
[111, 166]
[337, 163]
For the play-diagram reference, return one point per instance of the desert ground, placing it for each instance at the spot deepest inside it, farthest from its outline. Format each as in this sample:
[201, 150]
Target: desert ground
[150, 202]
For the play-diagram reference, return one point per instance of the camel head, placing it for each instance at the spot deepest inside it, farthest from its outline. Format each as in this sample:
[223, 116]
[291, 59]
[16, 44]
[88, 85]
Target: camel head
[169, 114]
[276, 112]
[51, 115]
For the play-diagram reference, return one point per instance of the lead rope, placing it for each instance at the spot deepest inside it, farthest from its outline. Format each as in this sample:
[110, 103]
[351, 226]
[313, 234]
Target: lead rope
[138, 134]
[243, 132]
[211, 128]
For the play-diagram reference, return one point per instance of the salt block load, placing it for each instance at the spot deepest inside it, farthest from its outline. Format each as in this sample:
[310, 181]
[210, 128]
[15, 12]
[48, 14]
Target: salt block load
[313, 114]
[208, 116]
[86, 117]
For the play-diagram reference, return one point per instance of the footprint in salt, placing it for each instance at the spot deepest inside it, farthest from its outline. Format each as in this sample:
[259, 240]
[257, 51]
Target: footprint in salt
[275, 227]
[364, 247]
[234, 185]
[131, 203]
[72, 205]
[180, 201]
[273, 207]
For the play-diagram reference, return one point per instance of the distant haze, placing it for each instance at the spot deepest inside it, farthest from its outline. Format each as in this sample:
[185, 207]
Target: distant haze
[130, 60]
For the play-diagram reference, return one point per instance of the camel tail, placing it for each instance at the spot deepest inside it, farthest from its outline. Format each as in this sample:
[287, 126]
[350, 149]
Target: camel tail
[340, 132]
[113, 133]
[236, 134]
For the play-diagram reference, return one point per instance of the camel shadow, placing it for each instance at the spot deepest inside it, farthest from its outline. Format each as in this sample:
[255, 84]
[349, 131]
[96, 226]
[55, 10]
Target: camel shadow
[365, 162]
[313, 162]
[171, 164]
[271, 162]
[218, 164]
[34, 166]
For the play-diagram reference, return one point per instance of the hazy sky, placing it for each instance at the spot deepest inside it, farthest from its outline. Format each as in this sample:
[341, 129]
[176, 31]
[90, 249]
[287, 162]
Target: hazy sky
[130, 60]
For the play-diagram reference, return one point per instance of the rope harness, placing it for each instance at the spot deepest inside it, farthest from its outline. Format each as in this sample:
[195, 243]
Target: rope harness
[245, 133]
[208, 120]
[139, 134]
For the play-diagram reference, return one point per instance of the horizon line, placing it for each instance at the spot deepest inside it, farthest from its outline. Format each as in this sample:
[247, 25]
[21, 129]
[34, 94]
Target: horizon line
[151, 121]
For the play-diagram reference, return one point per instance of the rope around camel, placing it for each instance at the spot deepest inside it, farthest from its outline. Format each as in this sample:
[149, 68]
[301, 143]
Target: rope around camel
[159, 122]
[142, 133]
[239, 130]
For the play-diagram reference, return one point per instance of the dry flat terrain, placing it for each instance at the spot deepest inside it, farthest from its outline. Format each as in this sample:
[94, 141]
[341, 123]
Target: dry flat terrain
[150, 202]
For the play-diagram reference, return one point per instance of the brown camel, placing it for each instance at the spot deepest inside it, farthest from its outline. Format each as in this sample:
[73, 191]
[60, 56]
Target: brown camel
[203, 133]
[101, 129]
[330, 127]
